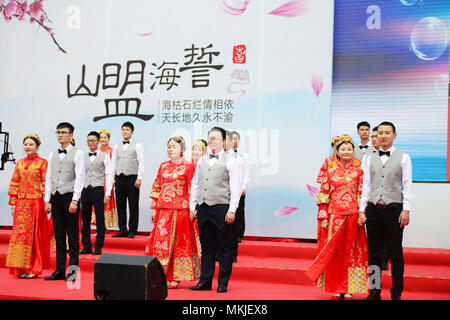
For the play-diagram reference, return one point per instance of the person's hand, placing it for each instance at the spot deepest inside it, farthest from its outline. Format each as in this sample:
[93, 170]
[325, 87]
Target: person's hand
[137, 184]
[13, 210]
[404, 218]
[362, 219]
[107, 198]
[193, 215]
[243, 193]
[73, 206]
[324, 223]
[48, 207]
[229, 217]
[152, 218]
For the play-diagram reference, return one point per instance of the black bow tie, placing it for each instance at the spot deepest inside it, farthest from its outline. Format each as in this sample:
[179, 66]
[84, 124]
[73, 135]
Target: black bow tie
[213, 156]
[92, 154]
[363, 147]
[62, 151]
[235, 150]
[387, 153]
[125, 142]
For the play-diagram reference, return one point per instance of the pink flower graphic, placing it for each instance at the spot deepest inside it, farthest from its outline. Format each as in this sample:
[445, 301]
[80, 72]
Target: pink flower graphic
[317, 84]
[284, 211]
[234, 7]
[292, 9]
[313, 191]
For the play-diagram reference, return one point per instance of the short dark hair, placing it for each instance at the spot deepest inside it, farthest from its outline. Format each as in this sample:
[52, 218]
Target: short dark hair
[387, 123]
[128, 124]
[94, 133]
[363, 123]
[221, 130]
[65, 125]
[375, 129]
[229, 135]
[236, 133]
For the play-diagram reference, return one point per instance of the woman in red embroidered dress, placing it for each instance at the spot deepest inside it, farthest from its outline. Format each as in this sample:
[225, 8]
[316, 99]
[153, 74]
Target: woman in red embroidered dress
[29, 245]
[341, 265]
[173, 239]
[110, 207]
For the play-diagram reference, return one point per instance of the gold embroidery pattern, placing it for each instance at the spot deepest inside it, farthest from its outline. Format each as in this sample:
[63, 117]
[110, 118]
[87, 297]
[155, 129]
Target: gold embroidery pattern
[357, 280]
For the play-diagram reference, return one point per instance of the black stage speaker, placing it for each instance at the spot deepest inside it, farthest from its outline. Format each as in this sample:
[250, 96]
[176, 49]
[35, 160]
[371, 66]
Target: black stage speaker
[128, 277]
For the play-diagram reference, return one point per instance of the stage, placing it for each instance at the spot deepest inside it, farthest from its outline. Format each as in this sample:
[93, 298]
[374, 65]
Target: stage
[266, 270]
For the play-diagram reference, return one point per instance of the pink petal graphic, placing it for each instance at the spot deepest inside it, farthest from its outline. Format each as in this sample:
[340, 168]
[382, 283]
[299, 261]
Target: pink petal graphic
[317, 84]
[145, 34]
[291, 9]
[284, 211]
[234, 7]
[313, 191]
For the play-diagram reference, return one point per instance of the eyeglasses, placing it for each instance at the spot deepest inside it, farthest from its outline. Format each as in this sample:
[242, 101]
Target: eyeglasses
[214, 139]
[61, 132]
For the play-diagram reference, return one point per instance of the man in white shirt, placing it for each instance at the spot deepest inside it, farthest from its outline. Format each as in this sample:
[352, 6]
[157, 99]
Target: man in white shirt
[128, 163]
[384, 207]
[215, 188]
[98, 170]
[363, 130]
[63, 185]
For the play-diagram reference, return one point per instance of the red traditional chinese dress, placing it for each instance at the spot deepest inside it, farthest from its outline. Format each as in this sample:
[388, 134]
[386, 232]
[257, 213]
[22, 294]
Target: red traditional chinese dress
[110, 207]
[29, 245]
[341, 265]
[321, 232]
[173, 239]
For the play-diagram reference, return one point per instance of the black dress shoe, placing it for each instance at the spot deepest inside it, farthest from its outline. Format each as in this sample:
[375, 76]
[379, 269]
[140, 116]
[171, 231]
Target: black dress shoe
[57, 275]
[97, 251]
[373, 296]
[396, 297]
[131, 235]
[86, 251]
[221, 289]
[201, 287]
[120, 235]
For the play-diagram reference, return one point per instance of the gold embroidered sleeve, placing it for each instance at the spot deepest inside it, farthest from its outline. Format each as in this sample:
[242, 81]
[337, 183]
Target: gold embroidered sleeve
[156, 187]
[14, 184]
[324, 193]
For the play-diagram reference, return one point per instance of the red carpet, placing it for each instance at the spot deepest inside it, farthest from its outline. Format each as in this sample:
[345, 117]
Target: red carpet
[266, 270]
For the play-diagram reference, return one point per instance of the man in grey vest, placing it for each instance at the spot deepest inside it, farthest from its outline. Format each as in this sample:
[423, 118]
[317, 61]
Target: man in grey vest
[363, 130]
[98, 170]
[384, 207]
[63, 185]
[216, 188]
[375, 147]
[128, 162]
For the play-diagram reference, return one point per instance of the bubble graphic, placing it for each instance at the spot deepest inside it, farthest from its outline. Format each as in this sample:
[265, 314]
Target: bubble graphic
[429, 38]
[409, 2]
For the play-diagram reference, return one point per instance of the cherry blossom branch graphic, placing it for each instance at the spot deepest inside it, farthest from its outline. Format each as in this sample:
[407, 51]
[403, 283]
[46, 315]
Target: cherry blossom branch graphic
[19, 9]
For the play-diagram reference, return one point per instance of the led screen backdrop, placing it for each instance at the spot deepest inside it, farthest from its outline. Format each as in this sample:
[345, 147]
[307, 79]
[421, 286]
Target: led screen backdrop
[178, 67]
[391, 63]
